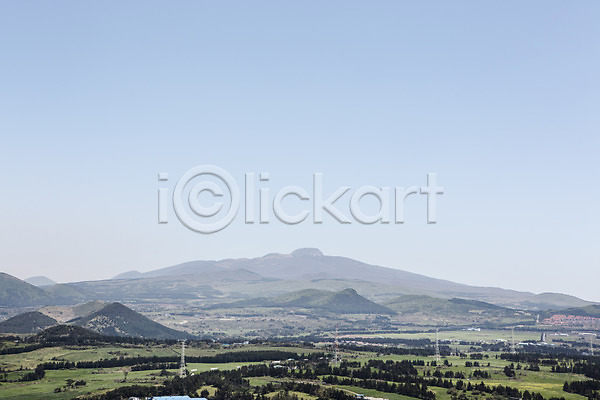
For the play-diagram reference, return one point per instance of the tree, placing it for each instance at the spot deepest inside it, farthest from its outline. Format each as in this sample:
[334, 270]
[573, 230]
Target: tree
[508, 371]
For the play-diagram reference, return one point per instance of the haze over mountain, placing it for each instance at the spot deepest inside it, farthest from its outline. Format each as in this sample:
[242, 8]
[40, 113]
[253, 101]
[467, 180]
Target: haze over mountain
[40, 281]
[310, 268]
[210, 282]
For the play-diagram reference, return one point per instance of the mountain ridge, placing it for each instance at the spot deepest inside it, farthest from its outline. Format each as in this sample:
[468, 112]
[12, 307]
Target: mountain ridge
[212, 281]
[310, 265]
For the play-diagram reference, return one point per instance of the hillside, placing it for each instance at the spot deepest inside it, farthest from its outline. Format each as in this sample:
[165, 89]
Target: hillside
[548, 301]
[413, 304]
[587, 311]
[347, 301]
[17, 293]
[30, 322]
[68, 334]
[81, 310]
[192, 267]
[426, 310]
[64, 293]
[115, 319]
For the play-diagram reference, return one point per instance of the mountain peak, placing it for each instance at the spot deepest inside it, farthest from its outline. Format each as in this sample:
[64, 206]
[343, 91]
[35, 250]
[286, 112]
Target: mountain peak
[116, 319]
[307, 252]
[29, 322]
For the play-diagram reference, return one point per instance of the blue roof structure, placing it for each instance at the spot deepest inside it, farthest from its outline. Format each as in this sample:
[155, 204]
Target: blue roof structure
[177, 398]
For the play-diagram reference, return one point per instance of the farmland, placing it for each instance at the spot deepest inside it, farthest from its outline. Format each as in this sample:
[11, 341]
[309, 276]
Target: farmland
[304, 370]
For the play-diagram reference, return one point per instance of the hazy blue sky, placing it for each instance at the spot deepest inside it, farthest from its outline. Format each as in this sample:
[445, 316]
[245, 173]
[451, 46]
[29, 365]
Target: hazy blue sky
[501, 99]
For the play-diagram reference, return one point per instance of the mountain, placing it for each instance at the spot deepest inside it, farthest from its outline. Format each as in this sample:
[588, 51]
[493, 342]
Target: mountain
[192, 267]
[201, 285]
[347, 301]
[310, 269]
[17, 293]
[587, 311]
[115, 319]
[210, 282]
[548, 301]
[40, 281]
[30, 322]
[430, 310]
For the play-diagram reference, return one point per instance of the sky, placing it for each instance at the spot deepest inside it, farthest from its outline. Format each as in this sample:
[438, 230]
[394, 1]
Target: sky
[499, 99]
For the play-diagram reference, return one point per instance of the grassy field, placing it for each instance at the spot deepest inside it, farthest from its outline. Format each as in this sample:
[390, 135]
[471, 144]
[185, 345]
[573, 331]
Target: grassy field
[91, 353]
[352, 389]
[545, 382]
[373, 393]
[300, 395]
[486, 335]
[95, 382]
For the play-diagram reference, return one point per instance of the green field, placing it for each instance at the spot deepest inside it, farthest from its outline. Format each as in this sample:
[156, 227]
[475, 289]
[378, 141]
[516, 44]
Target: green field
[374, 393]
[14, 366]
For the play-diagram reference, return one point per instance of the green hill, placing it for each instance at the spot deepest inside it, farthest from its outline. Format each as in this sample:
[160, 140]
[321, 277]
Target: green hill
[115, 319]
[346, 301]
[587, 311]
[17, 293]
[455, 311]
[68, 334]
[30, 322]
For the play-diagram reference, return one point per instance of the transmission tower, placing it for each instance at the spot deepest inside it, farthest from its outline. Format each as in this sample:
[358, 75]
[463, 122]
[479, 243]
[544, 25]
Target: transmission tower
[336, 348]
[437, 346]
[182, 370]
[512, 347]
